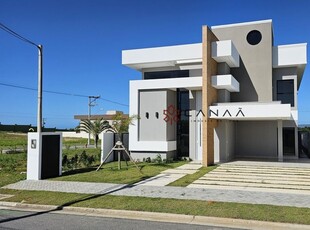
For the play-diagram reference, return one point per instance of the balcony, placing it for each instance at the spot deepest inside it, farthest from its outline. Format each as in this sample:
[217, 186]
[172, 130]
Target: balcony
[227, 82]
[225, 51]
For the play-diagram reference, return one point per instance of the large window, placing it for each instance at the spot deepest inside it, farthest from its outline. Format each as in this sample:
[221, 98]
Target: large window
[166, 74]
[285, 92]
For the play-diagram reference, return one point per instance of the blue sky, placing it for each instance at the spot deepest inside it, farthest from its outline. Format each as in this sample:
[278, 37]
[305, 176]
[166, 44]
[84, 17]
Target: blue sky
[83, 40]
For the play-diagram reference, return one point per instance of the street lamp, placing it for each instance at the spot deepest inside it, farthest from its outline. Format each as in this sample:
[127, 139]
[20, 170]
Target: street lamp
[40, 83]
[40, 71]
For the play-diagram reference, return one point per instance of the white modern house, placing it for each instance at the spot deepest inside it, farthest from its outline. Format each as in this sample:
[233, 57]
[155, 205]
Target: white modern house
[234, 95]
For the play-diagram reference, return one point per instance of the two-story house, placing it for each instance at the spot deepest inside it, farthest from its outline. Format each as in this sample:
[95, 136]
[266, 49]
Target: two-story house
[234, 95]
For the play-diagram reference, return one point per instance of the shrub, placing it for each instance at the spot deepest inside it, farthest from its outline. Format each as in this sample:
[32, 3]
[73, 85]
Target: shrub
[80, 160]
[148, 160]
[158, 159]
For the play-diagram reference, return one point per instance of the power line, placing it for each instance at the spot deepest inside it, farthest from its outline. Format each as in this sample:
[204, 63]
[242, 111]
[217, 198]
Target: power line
[59, 93]
[13, 33]
[118, 103]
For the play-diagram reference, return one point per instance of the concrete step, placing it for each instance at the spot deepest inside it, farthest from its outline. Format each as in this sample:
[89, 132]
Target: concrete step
[263, 167]
[190, 166]
[214, 172]
[259, 185]
[289, 172]
[256, 177]
[270, 164]
[259, 181]
[256, 189]
[179, 171]
[160, 180]
[245, 167]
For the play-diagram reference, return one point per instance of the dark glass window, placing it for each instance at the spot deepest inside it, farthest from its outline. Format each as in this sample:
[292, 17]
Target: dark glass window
[285, 91]
[254, 37]
[183, 123]
[166, 74]
[288, 141]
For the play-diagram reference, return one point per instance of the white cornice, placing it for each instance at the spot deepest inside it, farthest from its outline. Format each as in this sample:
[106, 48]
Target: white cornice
[242, 24]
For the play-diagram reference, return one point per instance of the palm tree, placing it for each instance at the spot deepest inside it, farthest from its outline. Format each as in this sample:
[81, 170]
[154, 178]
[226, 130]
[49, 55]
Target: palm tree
[121, 124]
[94, 128]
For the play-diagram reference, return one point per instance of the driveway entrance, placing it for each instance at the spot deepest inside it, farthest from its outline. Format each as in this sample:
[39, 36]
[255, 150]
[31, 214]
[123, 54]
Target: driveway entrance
[256, 176]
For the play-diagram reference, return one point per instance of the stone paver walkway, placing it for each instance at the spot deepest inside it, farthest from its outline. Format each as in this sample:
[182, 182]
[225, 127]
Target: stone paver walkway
[210, 194]
[170, 175]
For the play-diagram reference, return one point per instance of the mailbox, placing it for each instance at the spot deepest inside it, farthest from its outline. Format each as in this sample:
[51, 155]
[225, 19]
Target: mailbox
[44, 155]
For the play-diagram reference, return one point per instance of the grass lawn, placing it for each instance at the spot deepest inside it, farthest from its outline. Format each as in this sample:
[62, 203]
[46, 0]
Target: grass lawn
[109, 173]
[12, 168]
[10, 140]
[190, 178]
[190, 207]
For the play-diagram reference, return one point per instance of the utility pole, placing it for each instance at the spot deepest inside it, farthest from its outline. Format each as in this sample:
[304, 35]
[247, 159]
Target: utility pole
[40, 72]
[40, 83]
[91, 102]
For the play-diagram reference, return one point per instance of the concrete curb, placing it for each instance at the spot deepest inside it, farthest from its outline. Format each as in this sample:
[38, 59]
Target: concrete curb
[153, 216]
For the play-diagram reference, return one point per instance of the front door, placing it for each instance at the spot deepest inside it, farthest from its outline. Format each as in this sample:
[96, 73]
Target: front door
[289, 141]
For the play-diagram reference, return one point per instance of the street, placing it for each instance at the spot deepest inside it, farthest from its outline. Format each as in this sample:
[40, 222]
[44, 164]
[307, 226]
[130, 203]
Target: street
[10, 219]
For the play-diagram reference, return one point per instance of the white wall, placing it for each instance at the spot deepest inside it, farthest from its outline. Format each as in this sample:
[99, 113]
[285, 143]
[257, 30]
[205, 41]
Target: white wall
[256, 139]
[77, 135]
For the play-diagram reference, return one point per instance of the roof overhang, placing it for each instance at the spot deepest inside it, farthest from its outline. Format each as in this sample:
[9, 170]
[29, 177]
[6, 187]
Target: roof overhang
[294, 55]
[250, 111]
[167, 56]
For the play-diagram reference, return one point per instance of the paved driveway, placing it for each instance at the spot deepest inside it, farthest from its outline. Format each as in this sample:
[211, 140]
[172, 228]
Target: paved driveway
[258, 176]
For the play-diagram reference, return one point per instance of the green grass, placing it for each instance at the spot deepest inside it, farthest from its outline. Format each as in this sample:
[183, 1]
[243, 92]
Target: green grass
[72, 152]
[12, 168]
[12, 139]
[189, 207]
[109, 173]
[13, 162]
[74, 141]
[190, 178]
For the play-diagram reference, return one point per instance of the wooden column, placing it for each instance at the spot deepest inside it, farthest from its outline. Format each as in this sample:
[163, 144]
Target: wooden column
[209, 95]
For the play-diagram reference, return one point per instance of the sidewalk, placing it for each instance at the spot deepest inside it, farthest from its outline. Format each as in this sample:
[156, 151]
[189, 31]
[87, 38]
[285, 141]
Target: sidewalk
[293, 198]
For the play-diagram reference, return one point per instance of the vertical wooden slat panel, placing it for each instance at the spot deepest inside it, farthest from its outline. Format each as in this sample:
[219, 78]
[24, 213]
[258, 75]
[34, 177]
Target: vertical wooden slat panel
[209, 95]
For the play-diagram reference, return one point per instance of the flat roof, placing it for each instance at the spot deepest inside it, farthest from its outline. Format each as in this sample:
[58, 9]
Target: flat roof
[242, 24]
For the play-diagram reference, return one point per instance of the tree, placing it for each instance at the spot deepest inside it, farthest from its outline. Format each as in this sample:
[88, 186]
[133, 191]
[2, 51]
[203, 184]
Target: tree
[94, 128]
[121, 124]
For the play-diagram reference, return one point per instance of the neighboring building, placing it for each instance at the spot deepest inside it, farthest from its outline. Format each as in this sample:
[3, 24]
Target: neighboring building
[109, 116]
[232, 96]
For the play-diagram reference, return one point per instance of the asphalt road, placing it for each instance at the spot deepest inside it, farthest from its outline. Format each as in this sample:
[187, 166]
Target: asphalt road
[10, 220]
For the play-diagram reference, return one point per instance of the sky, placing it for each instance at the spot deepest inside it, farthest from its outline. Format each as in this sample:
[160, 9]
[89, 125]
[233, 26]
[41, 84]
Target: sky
[83, 40]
